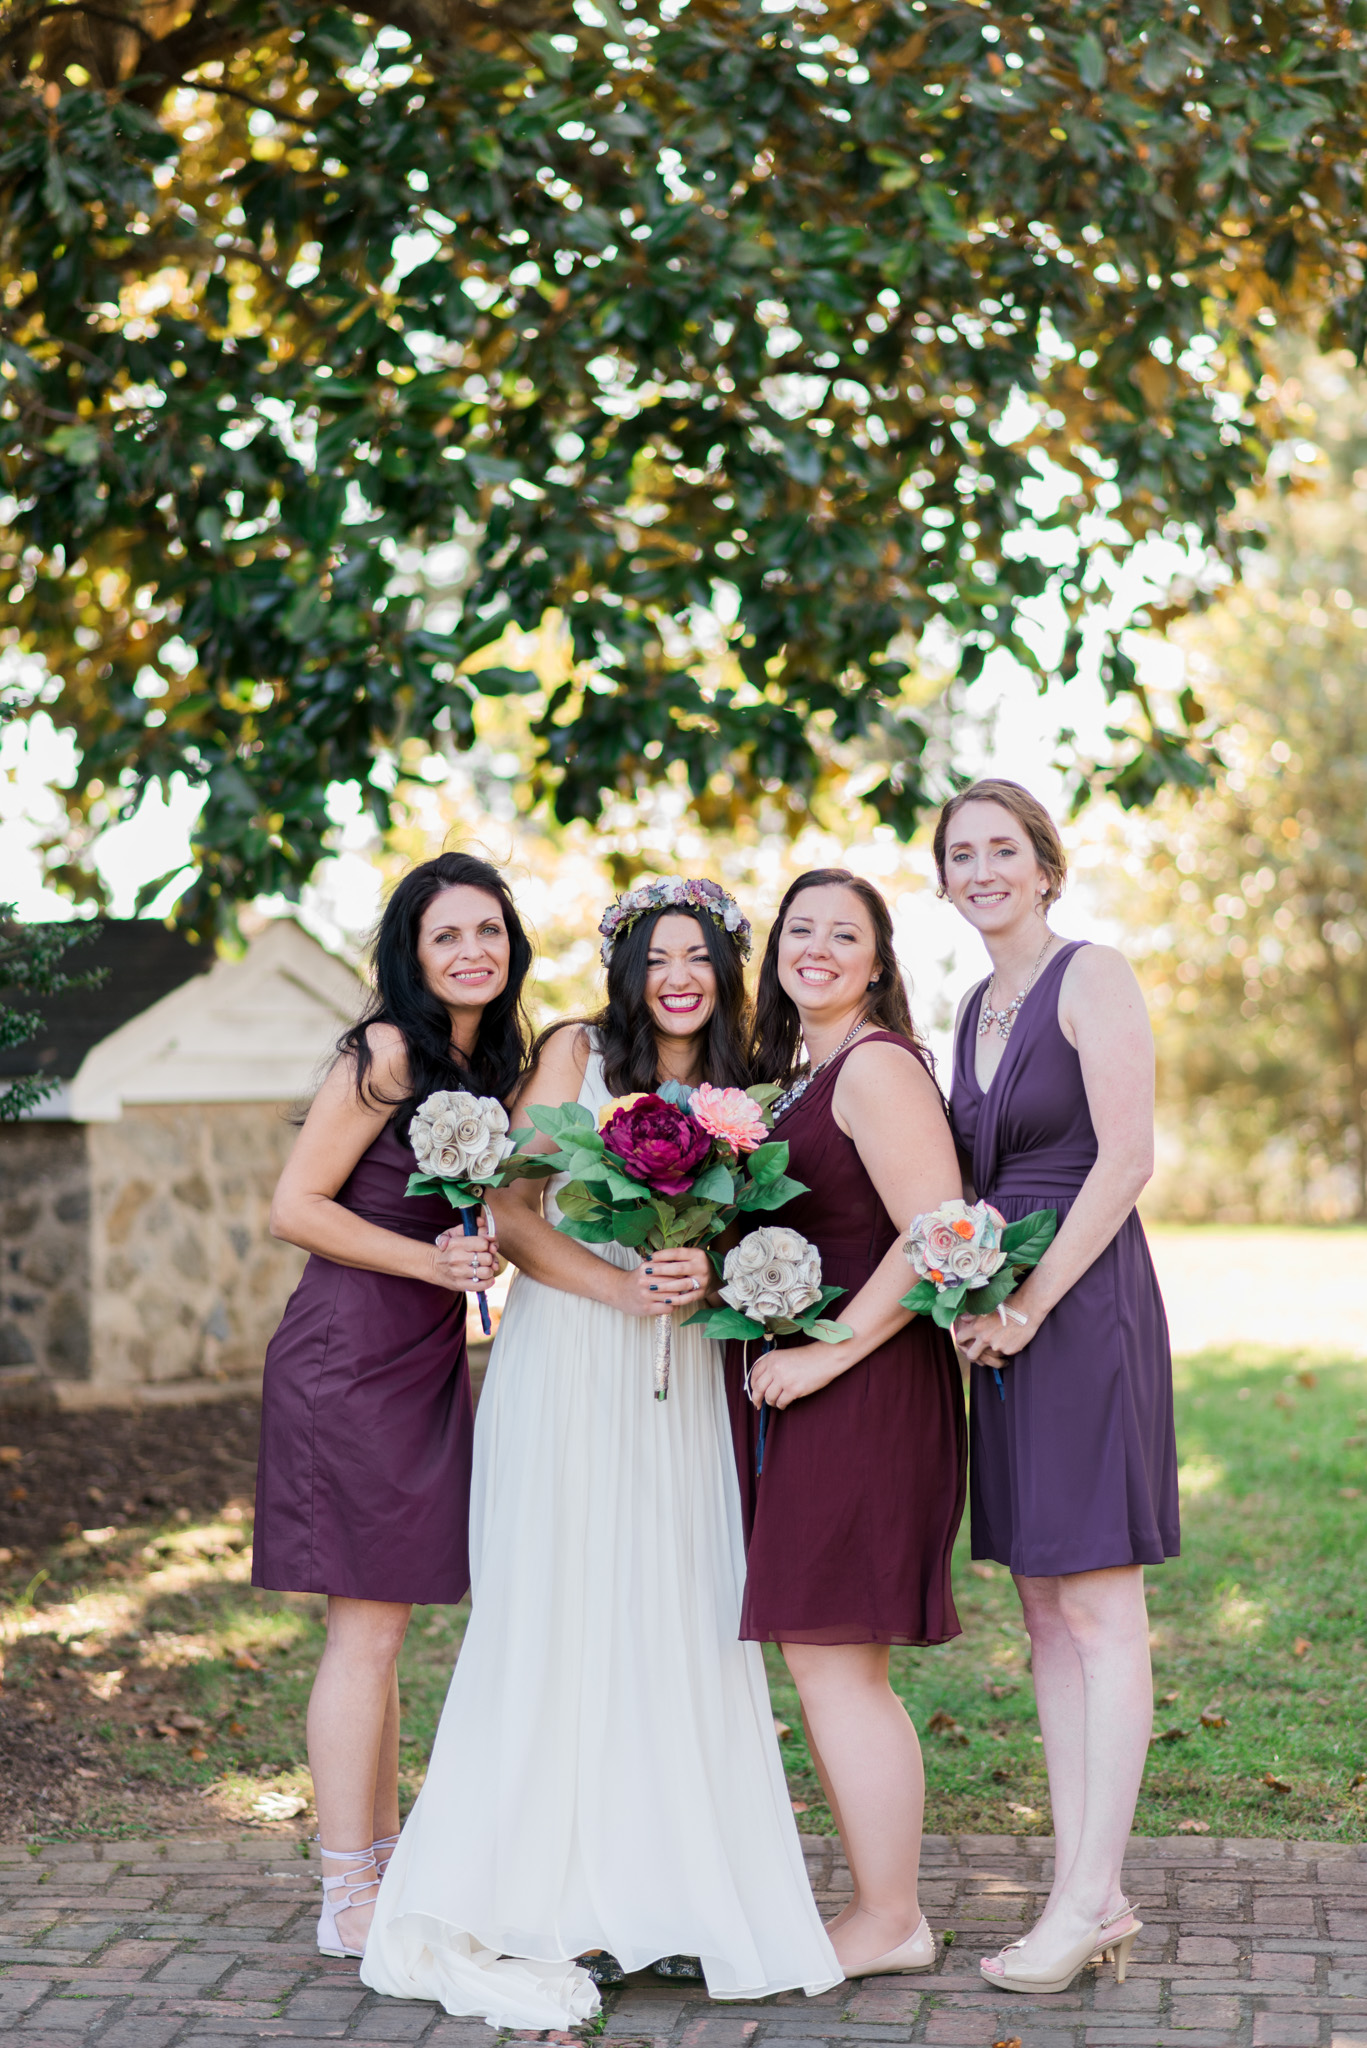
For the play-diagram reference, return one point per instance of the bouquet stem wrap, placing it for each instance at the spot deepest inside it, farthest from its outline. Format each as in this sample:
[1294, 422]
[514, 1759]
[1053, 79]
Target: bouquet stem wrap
[664, 1353]
[470, 1221]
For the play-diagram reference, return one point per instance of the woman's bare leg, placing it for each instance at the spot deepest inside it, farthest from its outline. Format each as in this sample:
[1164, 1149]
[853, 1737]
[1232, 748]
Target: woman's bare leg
[386, 1821]
[353, 1696]
[824, 1778]
[871, 1759]
[1105, 1619]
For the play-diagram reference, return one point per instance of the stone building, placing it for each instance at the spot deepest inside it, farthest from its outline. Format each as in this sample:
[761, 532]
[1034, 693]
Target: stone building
[135, 1259]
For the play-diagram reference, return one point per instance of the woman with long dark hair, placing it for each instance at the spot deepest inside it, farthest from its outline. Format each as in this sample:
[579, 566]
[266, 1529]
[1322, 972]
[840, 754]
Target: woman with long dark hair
[852, 1520]
[366, 1425]
[605, 1783]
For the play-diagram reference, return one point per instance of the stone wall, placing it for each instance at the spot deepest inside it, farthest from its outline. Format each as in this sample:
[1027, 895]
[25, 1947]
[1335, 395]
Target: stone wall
[44, 1254]
[187, 1282]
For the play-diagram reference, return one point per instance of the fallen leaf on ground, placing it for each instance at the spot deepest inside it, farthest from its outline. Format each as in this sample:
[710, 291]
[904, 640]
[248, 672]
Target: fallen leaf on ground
[1211, 1717]
[1300, 1646]
[1193, 1827]
[1165, 1699]
[1008, 2041]
[279, 1805]
[197, 1756]
[1277, 1784]
[166, 1731]
[236, 1728]
[998, 1692]
[781, 1729]
[10, 1454]
[798, 1805]
[983, 1571]
[188, 1724]
[1360, 1778]
[1282, 1401]
[1307, 1378]
[1022, 1812]
[1350, 1493]
[245, 1661]
[1001, 1776]
[941, 1723]
[1170, 1735]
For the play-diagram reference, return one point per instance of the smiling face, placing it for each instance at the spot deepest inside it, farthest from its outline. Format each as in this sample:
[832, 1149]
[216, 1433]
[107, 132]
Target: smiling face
[681, 982]
[991, 874]
[827, 954]
[464, 949]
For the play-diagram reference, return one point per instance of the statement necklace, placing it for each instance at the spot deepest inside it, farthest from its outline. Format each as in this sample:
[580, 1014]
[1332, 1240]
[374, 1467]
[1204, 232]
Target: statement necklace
[799, 1088]
[1004, 1019]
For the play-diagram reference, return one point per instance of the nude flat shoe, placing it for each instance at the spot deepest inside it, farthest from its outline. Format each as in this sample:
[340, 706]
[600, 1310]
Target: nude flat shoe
[916, 1953]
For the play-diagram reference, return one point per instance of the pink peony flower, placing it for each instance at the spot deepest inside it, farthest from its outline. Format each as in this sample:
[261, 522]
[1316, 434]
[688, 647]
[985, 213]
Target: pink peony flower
[658, 1144]
[730, 1116]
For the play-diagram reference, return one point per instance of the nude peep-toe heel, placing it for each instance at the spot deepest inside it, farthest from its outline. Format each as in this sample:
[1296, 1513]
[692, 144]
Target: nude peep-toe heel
[917, 1952]
[342, 1891]
[1099, 1944]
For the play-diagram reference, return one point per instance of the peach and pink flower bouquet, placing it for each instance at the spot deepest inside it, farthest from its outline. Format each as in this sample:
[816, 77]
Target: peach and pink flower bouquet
[661, 1170]
[968, 1260]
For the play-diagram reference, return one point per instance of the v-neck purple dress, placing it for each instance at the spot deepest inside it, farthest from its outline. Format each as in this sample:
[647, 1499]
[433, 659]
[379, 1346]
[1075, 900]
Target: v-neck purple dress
[367, 1430]
[1076, 1469]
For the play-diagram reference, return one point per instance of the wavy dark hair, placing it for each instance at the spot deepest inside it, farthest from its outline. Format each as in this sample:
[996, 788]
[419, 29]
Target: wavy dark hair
[626, 1029]
[776, 1047]
[402, 997]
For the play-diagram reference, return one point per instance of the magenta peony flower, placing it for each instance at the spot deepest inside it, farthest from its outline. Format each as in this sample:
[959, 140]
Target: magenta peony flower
[658, 1144]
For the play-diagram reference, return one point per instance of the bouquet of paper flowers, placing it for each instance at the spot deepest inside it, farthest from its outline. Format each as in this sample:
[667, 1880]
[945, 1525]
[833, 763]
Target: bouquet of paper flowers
[772, 1288]
[969, 1260]
[460, 1142]
[661, 1171]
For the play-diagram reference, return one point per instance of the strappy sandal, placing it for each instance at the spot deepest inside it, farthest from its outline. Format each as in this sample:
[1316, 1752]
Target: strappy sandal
[355, 1887]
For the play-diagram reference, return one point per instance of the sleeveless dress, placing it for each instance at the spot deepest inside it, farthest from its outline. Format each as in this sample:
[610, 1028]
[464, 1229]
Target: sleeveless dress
[363, 1478]
[853, 1520]
[606, 1773]
[1076, 1469]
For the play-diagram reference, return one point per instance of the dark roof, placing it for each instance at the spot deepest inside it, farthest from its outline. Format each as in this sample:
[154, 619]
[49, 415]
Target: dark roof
[145, 962]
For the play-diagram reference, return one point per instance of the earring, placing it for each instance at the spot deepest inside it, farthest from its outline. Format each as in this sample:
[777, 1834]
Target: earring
[876, 981]
[941, 892]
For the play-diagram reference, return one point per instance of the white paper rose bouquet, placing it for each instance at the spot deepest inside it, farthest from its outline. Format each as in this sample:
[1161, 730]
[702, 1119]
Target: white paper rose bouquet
[771, 1283]
[968, 1259]
[660, 1171]
[460, 1142]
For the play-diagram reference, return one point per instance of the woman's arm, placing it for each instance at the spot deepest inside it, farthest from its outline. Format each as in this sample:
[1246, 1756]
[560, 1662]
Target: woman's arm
[1101, 1012]
[887, 1103]
[339, 1129]
[664, 1281]
[965, 1182]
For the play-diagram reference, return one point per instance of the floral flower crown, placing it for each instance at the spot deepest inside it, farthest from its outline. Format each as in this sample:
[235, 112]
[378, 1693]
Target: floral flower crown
[675, 892]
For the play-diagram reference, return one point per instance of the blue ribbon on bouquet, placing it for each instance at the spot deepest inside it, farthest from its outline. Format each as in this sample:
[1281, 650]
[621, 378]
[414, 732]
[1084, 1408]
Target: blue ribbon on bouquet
[1001, 1387]
[470, 1221]
[767, 1345]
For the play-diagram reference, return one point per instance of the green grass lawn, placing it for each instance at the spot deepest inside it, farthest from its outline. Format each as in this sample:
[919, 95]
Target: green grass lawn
[1259, 1627]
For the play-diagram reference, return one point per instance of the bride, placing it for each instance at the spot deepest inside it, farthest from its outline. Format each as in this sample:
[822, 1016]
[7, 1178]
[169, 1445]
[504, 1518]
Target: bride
[606, 1775]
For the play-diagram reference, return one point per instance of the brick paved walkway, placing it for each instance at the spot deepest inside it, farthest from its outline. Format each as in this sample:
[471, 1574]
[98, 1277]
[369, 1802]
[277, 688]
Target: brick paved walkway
[145, 1944]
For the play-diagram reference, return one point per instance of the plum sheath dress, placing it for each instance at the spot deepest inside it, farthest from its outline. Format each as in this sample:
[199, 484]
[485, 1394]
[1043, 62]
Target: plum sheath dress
[852, 1522]
[363, 1480]
[1076, 1469]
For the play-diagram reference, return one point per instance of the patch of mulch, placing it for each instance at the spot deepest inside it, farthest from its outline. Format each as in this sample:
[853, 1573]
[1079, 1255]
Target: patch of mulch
[117, 1471]
[108, 1467]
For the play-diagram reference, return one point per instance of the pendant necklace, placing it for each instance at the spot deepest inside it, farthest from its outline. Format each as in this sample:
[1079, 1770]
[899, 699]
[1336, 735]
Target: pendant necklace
[799, 1088]
[1005, 1018]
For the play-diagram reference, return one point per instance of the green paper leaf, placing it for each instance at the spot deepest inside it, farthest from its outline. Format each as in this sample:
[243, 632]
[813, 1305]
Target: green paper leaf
[767, 1161]
[828, 1333]
[715, 1185]
[1027, 1239]
[922, 1297]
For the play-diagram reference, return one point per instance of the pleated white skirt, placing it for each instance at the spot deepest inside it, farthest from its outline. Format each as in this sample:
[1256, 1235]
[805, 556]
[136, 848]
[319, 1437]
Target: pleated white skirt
[606, 1773]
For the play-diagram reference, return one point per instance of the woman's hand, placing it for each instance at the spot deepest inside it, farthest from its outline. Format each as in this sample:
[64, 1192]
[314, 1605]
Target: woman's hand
[781, 1377]
[993, 1339]
[466, 1265]
[666, 1281]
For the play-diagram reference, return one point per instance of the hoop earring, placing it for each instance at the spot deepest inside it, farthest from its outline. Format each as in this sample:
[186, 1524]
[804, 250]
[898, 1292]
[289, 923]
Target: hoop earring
[941, 892]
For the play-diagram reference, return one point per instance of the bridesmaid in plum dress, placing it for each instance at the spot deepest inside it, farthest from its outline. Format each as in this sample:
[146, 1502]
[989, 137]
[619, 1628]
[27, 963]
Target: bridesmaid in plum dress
[1074, 1464]
[852, 1522]
[363, 1488]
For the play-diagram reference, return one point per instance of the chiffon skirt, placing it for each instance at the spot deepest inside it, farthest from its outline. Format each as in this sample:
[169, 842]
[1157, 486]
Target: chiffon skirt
[606, 1773]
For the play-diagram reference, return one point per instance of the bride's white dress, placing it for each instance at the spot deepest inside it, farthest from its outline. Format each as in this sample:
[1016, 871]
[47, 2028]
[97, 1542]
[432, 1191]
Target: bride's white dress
[606, 1773]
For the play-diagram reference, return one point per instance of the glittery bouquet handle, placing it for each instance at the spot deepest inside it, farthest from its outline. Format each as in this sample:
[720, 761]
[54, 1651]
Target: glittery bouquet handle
[664, 1353]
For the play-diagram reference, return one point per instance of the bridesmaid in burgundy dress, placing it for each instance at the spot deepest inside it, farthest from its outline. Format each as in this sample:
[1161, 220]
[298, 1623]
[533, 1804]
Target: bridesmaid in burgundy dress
[852, 1523]
[1074, 1462]
[363, 1488]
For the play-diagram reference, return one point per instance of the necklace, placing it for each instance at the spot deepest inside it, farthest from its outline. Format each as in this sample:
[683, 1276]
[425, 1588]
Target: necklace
[1004, 1019]
[799, 1088]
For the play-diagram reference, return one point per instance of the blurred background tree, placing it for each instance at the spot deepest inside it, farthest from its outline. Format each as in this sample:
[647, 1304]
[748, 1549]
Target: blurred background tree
[336, 340]
[1249, 906]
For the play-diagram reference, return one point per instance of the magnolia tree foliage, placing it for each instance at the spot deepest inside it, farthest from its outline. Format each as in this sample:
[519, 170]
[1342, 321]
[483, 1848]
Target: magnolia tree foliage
[644, 305]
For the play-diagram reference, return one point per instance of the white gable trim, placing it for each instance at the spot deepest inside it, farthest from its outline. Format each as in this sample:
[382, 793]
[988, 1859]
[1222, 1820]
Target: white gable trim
[258, 1029]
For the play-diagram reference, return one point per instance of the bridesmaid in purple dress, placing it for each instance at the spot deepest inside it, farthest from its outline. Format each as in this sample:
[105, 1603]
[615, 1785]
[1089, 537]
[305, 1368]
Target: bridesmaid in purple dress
[1074, 1464]
[363, 1488]
[852, 1523]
